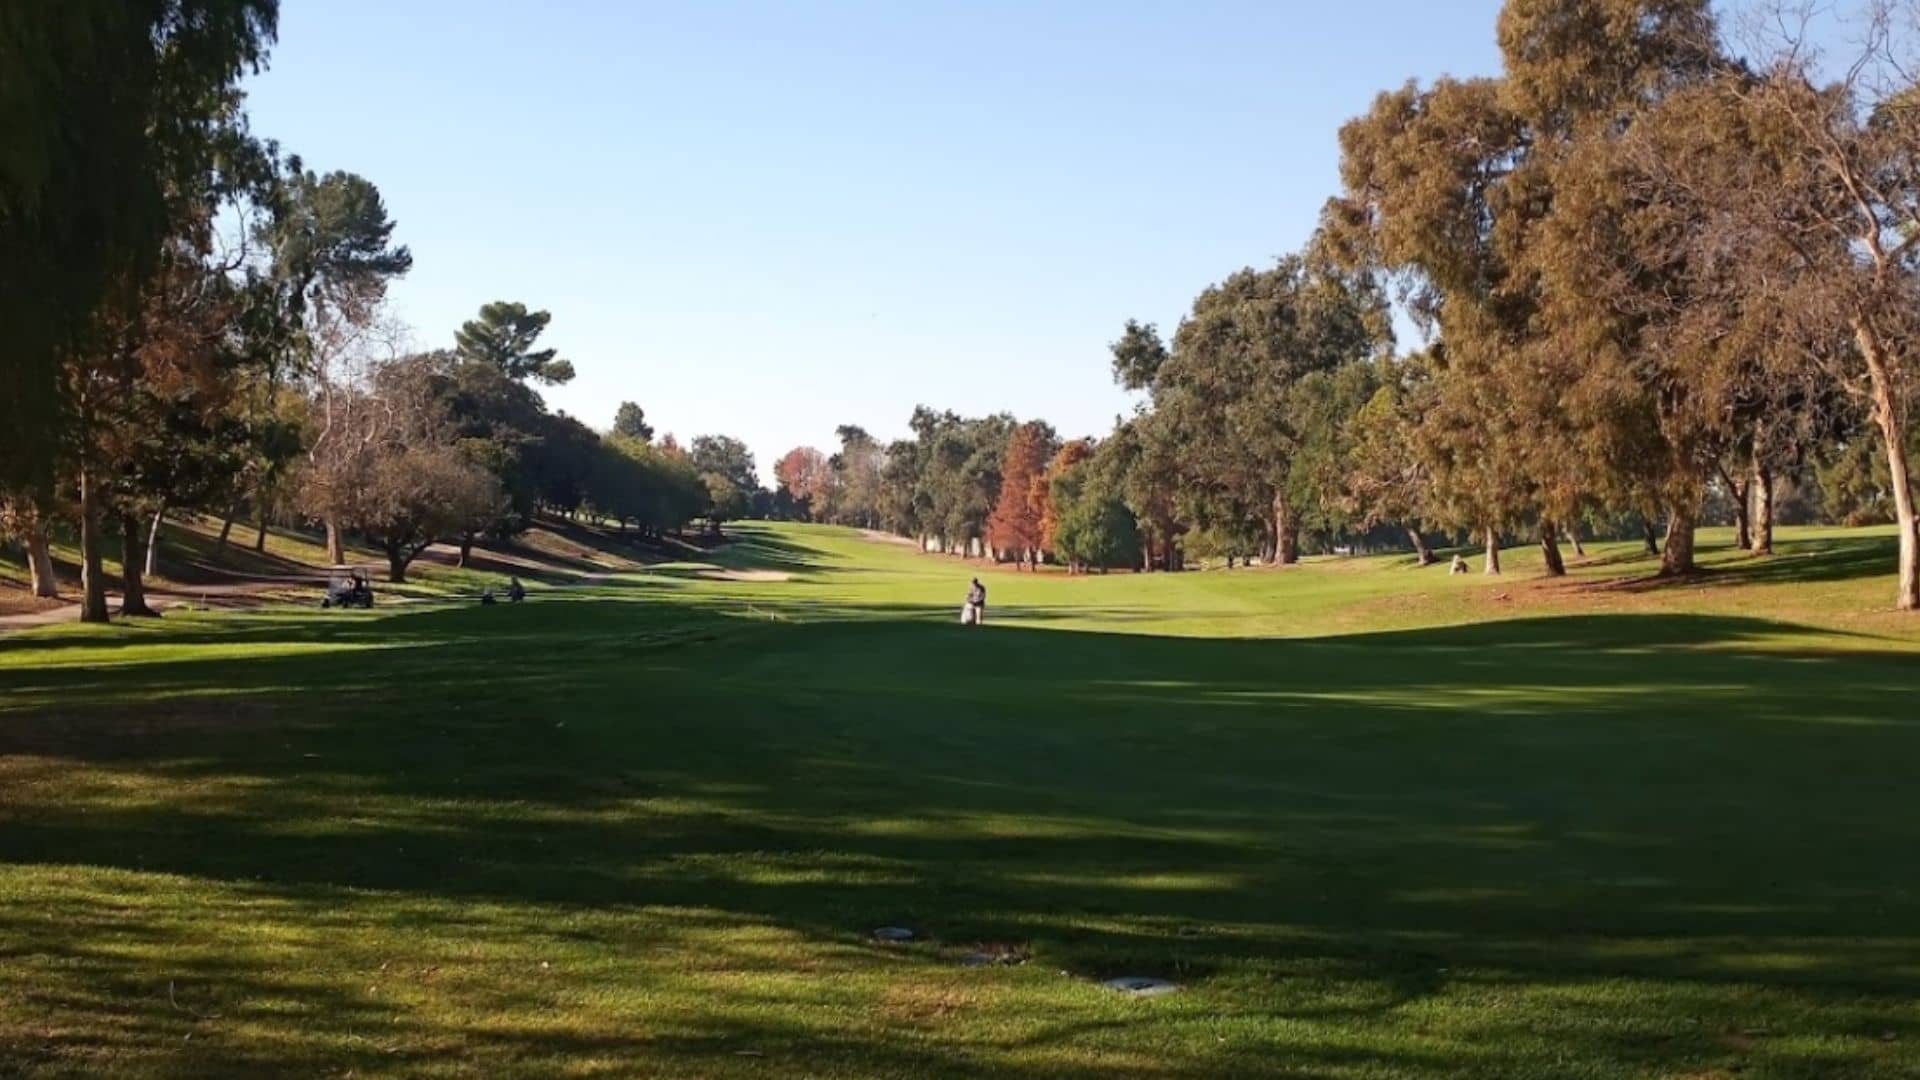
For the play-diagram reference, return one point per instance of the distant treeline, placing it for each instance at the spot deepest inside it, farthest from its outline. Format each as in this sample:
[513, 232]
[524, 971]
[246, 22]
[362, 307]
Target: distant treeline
[1656, 279]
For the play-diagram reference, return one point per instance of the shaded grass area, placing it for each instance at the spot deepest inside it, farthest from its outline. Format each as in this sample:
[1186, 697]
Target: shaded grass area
[643, 828]
[292, 565]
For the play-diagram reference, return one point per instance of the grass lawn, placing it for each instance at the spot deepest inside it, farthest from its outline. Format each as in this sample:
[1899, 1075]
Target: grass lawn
[1376, 821]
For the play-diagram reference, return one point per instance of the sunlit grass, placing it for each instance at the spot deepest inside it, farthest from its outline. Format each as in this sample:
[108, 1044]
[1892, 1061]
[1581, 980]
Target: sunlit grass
[1378, 821]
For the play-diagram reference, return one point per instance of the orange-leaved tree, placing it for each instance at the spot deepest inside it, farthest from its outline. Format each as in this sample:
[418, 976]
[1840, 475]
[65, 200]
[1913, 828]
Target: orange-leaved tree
[1015, 523]
[803, 472]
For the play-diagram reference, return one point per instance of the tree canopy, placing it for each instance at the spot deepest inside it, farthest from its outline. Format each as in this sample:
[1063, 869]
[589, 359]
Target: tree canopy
[504, 335]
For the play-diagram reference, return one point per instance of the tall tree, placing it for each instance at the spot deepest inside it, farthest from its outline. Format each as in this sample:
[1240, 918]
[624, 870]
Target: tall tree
[109, 105]
[331, 240]
[1138, 355]
[1016, 524]
[333, 257]
[1237, 362]
[854, 497]
[1449, 189]
[1827, 212]
[630, 420]
[504, 336]
[803, 473]
[1386, 480]
[416, 494]
[1095, 530]
[1070, 454]
[727, 457]
[726, 500]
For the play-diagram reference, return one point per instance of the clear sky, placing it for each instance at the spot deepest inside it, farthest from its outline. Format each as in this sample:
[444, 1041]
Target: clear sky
[769, 219]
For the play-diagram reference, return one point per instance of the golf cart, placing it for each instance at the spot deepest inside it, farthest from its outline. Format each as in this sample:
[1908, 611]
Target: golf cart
[350, 590]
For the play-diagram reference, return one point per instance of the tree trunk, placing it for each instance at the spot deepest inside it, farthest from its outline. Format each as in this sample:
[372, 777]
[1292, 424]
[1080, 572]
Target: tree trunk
[1493, 550]
[93, 580]
[1573, 534]
[153, 541]
[1286, 533]
[1741, 493]
[336, 549]
[226, 523]
[40, 560]
[1900, 474]
[1652, 537]
[1678, 558]
[1763, 510]
[1420, 547]
[466, 548]
[1550, 549]
[260, 519]
[397, 561]
[133, 593]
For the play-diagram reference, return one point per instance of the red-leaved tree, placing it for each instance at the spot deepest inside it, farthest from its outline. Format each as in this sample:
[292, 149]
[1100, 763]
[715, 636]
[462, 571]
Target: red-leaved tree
[1015, 525]
[805, 475]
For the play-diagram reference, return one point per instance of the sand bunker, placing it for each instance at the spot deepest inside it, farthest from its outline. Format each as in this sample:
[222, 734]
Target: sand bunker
[747, 575]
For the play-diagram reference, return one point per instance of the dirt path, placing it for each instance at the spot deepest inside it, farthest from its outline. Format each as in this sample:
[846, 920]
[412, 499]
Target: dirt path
[879, 537]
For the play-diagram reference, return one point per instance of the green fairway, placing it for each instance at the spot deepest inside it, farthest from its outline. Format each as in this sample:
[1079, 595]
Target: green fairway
[1376, 821]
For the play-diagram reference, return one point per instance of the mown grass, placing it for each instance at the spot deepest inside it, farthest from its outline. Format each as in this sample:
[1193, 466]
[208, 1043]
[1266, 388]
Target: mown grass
[1377, 821]
[196, 569]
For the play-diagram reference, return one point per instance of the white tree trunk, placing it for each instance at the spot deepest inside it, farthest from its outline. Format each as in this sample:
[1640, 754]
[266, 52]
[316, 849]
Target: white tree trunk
[40, 560]
[1893, 432]
[153, 540]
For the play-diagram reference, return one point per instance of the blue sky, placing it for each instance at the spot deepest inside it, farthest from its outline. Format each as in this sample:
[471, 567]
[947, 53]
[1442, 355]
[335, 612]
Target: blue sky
[770, 219]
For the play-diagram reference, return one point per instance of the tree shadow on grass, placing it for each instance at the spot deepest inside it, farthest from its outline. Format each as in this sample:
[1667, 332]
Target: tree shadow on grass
[1545, 803]
[1821, 560]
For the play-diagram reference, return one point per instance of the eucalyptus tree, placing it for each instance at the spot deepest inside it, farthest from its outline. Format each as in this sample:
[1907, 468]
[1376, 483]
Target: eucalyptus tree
[1387, 482]
[1324, 409]
[1452, 188]
[897, 498]
[858, 469]
[1827, 213]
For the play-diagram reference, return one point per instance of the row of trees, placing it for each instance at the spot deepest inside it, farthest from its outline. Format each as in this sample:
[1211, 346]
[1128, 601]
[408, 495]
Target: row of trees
[1654, 274]
[989, 486]
[196, 324]
[1649, 263]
